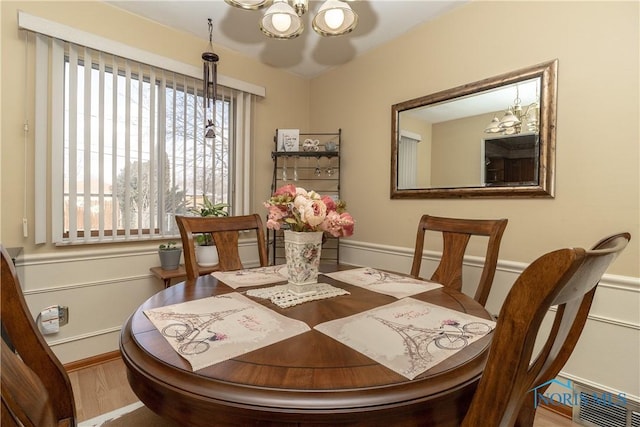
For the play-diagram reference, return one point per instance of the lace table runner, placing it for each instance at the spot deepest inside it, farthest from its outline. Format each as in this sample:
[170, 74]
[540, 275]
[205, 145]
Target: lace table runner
[408, 336]
[396, 285]
[253, 276]
[283, 298]
[214, 329]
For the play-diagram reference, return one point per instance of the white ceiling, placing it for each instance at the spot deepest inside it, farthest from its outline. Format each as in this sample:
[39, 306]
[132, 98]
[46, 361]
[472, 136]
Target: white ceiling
[490, 101]
[308, 55]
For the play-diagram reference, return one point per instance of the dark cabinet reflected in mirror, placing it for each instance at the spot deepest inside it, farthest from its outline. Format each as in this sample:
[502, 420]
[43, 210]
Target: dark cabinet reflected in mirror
[511, 160]
[492, 138]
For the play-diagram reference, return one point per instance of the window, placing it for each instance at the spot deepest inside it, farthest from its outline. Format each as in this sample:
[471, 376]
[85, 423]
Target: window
[134, 148]
[119, 143]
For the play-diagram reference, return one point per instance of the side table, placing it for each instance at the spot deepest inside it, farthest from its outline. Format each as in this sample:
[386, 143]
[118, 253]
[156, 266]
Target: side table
[180, 272]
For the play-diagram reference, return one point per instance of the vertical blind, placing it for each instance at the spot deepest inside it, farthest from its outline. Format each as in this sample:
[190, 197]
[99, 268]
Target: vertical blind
[128, 147]
[407, 161]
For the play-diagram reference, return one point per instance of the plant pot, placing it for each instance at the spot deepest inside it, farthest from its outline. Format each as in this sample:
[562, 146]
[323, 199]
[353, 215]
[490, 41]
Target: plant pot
[206, 256]
[170, 258]
[302, 252]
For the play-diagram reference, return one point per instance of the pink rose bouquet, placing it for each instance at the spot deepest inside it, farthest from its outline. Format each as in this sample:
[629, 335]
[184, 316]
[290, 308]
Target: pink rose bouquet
[302, 210]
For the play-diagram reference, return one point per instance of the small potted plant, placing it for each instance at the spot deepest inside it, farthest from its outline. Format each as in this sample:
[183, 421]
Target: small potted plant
[169, 255]
[206, 253]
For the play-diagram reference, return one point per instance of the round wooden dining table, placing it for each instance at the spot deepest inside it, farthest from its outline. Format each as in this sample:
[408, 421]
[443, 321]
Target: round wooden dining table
[309, 379]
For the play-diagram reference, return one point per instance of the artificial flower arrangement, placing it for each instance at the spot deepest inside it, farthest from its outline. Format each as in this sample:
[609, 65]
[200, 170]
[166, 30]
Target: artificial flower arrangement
[302, 210]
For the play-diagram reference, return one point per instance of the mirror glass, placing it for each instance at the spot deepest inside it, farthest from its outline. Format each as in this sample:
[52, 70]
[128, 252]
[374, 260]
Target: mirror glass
[492, 138]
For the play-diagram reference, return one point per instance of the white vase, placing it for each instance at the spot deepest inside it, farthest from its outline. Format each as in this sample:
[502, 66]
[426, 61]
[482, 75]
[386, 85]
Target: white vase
[206, 256]
[302, 252]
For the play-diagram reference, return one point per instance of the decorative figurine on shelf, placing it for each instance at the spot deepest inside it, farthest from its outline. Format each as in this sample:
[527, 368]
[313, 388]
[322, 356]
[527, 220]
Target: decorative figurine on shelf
[311, 145]
[330, 146]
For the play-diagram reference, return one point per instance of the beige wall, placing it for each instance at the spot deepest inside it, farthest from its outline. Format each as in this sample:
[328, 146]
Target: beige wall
[597, 183]
[457, 152]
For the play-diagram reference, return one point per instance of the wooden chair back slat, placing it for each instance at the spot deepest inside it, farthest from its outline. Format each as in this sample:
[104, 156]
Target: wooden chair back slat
[566, 278]
[225, 232]
[456, 233]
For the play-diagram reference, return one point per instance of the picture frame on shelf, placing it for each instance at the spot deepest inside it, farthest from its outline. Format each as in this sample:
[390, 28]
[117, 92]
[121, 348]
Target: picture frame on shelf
[288, 140]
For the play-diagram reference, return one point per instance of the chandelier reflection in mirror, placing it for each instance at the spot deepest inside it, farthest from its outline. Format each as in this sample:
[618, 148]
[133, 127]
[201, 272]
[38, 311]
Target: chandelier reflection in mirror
[283, 18]
[515, 117]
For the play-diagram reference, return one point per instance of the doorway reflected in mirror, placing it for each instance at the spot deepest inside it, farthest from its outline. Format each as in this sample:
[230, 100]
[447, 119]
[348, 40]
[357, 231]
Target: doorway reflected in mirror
[511, 160]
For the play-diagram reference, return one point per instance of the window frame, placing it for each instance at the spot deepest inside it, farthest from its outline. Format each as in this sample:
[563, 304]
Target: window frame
[48, 131]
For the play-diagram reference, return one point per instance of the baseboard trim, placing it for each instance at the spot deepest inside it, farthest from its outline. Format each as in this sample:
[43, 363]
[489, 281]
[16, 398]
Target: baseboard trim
[92, 361]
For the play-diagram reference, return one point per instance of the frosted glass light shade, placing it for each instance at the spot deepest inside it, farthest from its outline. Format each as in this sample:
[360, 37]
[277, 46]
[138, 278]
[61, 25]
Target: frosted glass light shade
[509, 120]
[247, 4]
[280, 21]
[334, 18]
[494, 126]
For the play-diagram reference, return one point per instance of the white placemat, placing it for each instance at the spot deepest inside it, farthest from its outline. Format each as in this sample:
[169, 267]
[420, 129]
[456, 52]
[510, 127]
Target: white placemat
[383, 282]
[408, 336]
[214, 329]
[253, 276]
[283, 298]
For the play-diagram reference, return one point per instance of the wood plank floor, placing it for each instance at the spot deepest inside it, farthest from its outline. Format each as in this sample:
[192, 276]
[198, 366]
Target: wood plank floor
[104, 387]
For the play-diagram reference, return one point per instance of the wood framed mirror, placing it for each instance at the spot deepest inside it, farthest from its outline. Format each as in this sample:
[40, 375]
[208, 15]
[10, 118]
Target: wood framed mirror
[464, 142]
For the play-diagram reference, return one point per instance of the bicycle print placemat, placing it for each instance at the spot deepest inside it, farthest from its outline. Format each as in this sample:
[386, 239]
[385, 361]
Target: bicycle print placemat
[214, 329]
[383, 282]
[253, 276]
[408, 336]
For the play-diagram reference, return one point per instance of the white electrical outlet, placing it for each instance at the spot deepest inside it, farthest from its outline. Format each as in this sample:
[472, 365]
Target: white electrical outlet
[51, 318]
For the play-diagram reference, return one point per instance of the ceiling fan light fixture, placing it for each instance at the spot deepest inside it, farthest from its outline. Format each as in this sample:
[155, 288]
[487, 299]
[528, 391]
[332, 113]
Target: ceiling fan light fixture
[334, 18]
[248, 4]
[281, 21]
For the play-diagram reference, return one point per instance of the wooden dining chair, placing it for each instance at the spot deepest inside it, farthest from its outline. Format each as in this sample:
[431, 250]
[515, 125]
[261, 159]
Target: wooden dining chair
[456, 233]
[225, 232]
[36, 390]
[566, 278]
